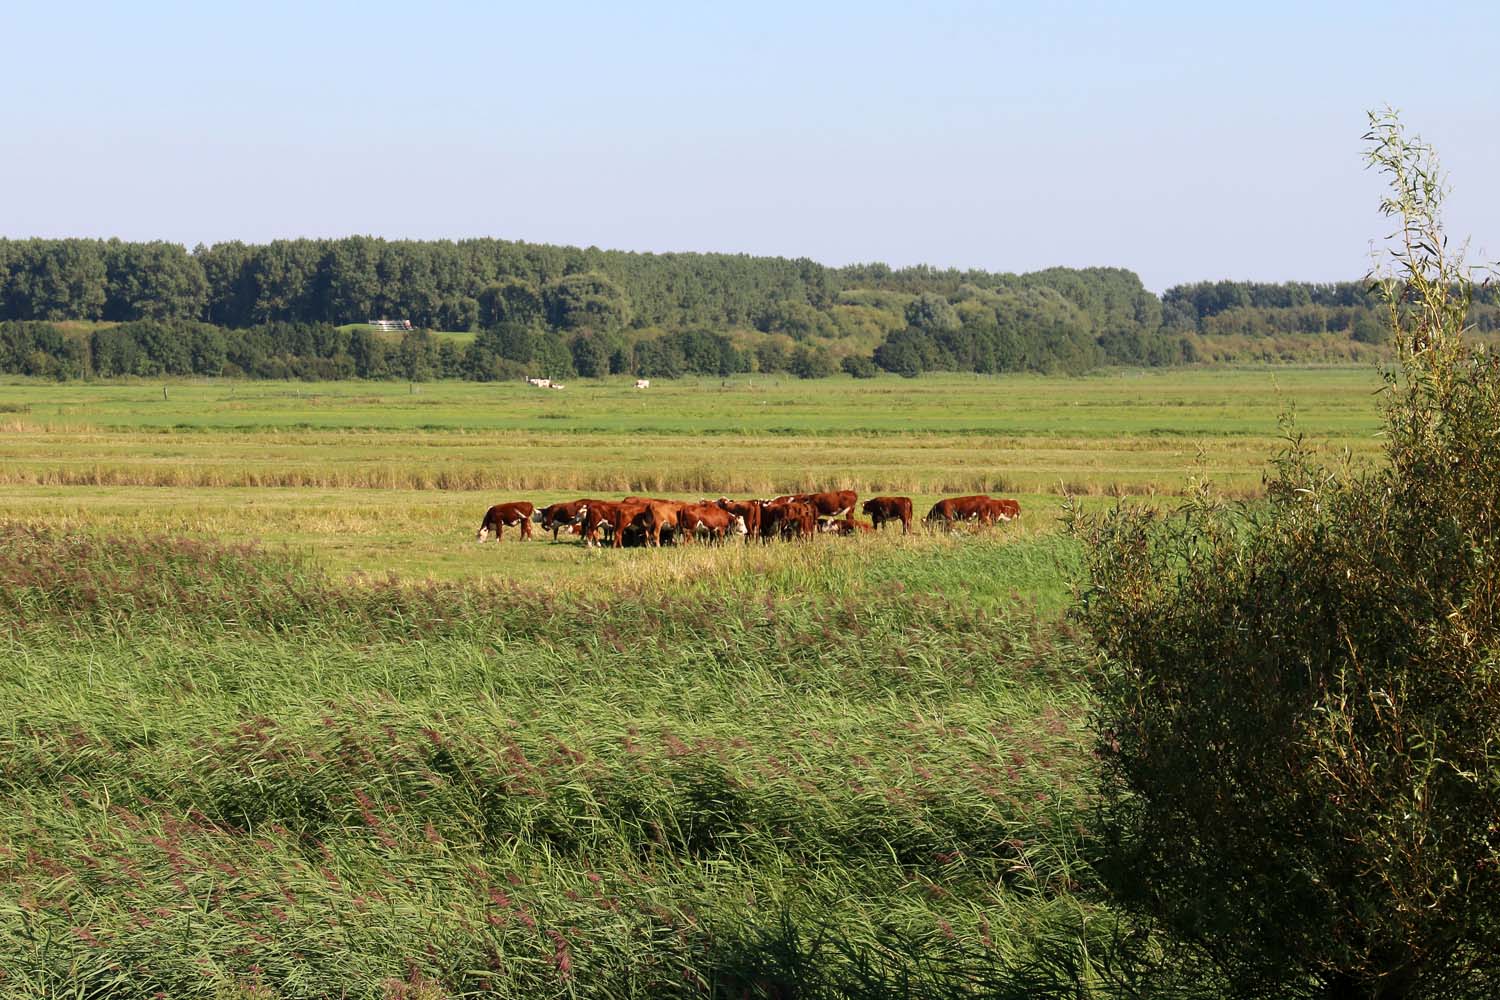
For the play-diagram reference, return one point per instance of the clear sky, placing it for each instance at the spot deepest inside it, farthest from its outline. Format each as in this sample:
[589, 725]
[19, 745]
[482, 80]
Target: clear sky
[1183, 140]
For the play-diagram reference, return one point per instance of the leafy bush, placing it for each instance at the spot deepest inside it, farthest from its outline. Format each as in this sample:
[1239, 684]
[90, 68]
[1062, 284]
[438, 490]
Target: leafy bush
[813, 362]
[1299, 713]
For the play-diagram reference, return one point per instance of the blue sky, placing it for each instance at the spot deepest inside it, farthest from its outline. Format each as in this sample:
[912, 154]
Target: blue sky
[1183, 140]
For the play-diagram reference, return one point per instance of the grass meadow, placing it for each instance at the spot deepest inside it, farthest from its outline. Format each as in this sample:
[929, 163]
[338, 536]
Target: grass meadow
[275, 727]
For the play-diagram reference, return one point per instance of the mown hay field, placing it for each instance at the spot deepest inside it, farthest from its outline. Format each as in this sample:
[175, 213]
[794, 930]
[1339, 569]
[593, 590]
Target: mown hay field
[382, 476]
[291, 738]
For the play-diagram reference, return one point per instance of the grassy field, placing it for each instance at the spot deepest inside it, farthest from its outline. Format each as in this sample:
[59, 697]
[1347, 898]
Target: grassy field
[371, 759]
[379, 477]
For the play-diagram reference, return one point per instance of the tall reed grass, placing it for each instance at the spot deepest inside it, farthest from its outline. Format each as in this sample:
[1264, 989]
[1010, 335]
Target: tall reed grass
[767, 774]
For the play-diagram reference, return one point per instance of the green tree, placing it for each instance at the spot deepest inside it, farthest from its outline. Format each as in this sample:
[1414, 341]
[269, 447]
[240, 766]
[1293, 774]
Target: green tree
[510, 300]
[368, 353]
[772, 356]
[1369, 330]
[859, 366]
[590, 356]
[931, 313]
[416, 357]
[589, 301]
[1299, 709]
[449, 359]
[812, 362]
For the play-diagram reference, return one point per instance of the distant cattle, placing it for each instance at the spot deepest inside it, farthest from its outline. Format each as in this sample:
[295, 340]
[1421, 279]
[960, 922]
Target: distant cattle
[560, 515]
[839, 503]
[660, 516]
[617, 518]
[788, 519]
[711, 519]
[981, 508]
[883, 509]
[748, 510]
[957, 509]
[498, 517]
[999, 510]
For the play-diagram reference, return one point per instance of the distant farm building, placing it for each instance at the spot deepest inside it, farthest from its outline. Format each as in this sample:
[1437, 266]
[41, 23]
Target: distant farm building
[391, 325]
[643, 383]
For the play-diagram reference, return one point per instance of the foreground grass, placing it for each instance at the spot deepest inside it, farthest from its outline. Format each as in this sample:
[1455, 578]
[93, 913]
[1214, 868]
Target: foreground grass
[810, 770]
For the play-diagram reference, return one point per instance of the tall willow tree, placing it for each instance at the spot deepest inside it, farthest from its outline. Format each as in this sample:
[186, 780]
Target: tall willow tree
[1299, 707]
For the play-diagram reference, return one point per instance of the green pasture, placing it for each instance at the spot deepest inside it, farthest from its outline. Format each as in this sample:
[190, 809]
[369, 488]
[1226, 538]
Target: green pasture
[376, 478]
[430, 534]
[1187, 403]
[274, 724]
[1117, 432]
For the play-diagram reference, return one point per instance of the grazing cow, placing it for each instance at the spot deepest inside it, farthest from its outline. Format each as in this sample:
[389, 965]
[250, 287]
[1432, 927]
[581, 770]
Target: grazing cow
[616, 517]
[883, 509]
[790, 519]
[560, 515]
[503, 514]
[999, 510]
[661, 515]
[839, 503]
[957, 509]
[667, 517]
[748, 510]
[711, 519]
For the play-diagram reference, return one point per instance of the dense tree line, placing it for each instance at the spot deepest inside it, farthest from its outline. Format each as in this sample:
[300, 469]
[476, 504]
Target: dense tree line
[316, 351]
[564, 310]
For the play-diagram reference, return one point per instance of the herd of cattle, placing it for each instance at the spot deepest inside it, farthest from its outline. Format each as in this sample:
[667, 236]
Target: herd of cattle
[650, 521]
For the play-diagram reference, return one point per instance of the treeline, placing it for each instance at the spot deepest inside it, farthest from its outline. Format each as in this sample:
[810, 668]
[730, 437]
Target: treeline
[319, 351]
[273, 310]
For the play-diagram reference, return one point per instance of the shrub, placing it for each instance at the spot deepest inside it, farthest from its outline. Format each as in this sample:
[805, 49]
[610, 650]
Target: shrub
[812, 362]
[859, 366]
[1299, 710]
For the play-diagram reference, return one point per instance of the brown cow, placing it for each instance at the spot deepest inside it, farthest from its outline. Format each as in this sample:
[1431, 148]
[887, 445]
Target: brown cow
[748, 510]
[561, 515]
[999, 510]
[792, 518]
[839, 503]
[617, 517]
[661, 515]
[883, 509]
[711, 518]
[957, 509]
[502, 514]
[854, 527]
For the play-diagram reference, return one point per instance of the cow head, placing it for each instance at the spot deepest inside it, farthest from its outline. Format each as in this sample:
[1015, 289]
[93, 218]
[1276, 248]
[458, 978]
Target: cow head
[484, 533]
[539, 517]
[739, 526]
